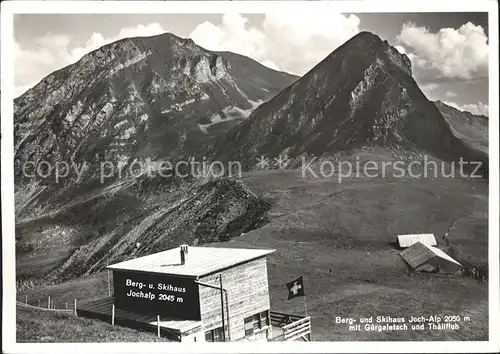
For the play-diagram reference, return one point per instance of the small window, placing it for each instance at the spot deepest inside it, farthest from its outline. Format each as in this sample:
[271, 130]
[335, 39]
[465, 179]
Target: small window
[218, 335]
[256, 322]
[209, 336]
[249, 326]
[264, 318]
[214, 335]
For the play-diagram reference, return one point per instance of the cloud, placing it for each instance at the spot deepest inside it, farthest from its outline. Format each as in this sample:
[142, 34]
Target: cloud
[51, 52]
[400, 49]
[293, 41]
[430, 90]
[270, 65]
[449, 53]
[478, 108]
[20, 89]
[30, 64]
[450, 94]
[232, 35]
[431, 86]
[97, 40]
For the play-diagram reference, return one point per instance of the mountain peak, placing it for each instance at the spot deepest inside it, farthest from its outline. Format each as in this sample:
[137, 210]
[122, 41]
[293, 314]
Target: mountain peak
[361, 95]
[160, 97]
[367, 35]
[364, 51]
[366, 43]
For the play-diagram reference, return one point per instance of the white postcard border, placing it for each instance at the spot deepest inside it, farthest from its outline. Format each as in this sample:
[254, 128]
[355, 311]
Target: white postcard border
[10, 8]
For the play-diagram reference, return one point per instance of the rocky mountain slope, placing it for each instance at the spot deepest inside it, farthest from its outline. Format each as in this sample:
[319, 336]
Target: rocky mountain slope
[145, 100]
[216, 211]
[163, 97]
[470, 128]
[82, 237]
[362, 94]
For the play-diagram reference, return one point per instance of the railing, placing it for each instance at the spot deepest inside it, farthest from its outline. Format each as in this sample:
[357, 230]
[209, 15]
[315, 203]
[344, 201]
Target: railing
[279, 319]
[293, 326]
[298, 329]
[51, 305]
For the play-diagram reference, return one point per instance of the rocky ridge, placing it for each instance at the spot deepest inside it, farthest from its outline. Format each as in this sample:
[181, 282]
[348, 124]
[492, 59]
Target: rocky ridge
[361, 95]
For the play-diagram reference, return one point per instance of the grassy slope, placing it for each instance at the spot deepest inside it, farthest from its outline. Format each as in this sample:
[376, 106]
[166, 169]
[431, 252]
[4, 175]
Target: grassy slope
[43, 326]
[84, 289]
[318, 225]
[321, 225]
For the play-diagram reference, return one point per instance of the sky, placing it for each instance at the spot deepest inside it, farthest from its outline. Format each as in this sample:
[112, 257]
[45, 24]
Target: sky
[448, 51]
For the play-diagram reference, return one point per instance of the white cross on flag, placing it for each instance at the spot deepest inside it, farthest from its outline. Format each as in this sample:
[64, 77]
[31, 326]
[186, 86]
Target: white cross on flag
[295, 288]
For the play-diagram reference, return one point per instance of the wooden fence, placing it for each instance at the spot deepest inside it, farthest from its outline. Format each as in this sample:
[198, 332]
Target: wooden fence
[49, 307]
[22, 304]
[292, 326]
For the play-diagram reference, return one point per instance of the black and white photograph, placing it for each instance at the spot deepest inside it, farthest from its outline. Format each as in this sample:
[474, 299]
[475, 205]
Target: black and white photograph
[276, 176]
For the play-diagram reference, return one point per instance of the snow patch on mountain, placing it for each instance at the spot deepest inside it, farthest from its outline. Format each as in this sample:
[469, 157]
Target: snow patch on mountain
[74, 112]
[127, 133]
[134, 59]
[120, 124]
[231, 113]
[237, 112]
[178, 106]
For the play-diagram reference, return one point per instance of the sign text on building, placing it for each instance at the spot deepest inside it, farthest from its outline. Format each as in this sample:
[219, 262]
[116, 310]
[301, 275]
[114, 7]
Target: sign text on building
[165, 295]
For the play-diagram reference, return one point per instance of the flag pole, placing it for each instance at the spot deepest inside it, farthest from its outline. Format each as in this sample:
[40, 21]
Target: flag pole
[305, 304]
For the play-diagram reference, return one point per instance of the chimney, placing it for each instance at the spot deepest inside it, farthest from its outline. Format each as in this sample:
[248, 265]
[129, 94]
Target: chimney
[184, 253]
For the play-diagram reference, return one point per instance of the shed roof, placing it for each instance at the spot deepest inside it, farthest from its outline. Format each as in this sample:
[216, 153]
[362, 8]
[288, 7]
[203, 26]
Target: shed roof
[440, 253]
[419, 253]
[200, 261]
[410, 239]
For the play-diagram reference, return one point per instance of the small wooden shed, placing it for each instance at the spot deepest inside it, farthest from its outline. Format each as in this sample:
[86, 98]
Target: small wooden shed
[425, 258]
[408, 240]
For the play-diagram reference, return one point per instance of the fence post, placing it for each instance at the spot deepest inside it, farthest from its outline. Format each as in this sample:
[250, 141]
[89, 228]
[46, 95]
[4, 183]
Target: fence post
[66, 304]
[48, 303]
[75, 308]
[38, 302]
[113, 315]
[158, 324]
[25, 300]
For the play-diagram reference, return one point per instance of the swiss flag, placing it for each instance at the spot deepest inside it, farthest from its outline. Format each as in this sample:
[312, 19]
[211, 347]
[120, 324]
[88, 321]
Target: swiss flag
[295, 288]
